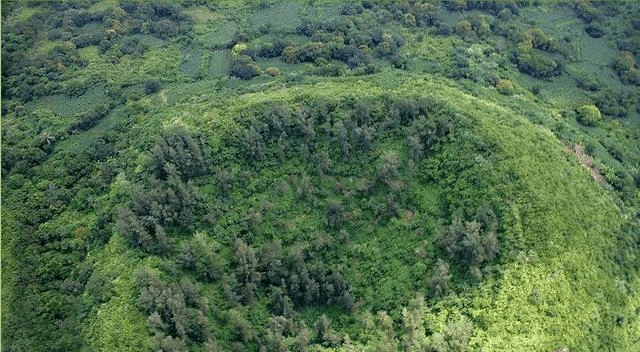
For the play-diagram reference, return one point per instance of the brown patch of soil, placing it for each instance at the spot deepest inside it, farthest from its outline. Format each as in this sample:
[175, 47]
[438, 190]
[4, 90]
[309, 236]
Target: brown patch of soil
[587, 162]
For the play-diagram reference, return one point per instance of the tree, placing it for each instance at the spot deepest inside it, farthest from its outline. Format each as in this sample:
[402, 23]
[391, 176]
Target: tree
[415, 147]
[142, 233]
[162, 343]
[323, 162]
[175, 311]
[270, 263]
[473, 242]
[254, 144]
[223, 177]
[362, 114]
[179, 149]
[324, 333]
[414, 338]
[335, 214]
[388, 171]
[364, 136]
[282, 304]
[242, 329]
[439, 279]
[198, 258]
[455, 337]
[246, 270]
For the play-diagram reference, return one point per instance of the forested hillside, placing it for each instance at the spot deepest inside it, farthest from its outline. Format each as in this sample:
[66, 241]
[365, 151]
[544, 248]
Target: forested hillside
[320, 176]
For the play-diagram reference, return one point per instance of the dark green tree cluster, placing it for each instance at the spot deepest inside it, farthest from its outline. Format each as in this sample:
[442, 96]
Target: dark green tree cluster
[179, 151]
[539, 55]
[40, 184]
[200, 259]
[352, 39]
[493, 7]
[30, 76]
[177, 313]
[473, 240]
[171, 201]
[292, 281]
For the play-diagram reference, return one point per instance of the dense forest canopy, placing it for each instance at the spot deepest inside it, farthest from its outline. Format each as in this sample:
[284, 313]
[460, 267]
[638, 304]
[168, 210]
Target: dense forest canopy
[320, 175]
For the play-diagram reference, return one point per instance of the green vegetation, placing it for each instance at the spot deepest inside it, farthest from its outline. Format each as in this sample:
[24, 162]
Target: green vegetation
[320, 176]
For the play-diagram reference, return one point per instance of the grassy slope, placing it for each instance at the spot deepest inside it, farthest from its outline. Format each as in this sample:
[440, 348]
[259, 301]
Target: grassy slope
[569, 294]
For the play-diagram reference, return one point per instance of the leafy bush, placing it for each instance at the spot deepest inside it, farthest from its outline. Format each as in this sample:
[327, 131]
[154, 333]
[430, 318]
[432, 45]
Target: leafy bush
[588, 115]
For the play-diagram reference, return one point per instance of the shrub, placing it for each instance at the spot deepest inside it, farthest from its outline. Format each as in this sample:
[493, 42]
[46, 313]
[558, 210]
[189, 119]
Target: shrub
[290, 54]
[274, 49]
[239, 49]
[313, 51]
[624, 62]
[505, 87]
[588, 115]
[244, 71]
[272, 71]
